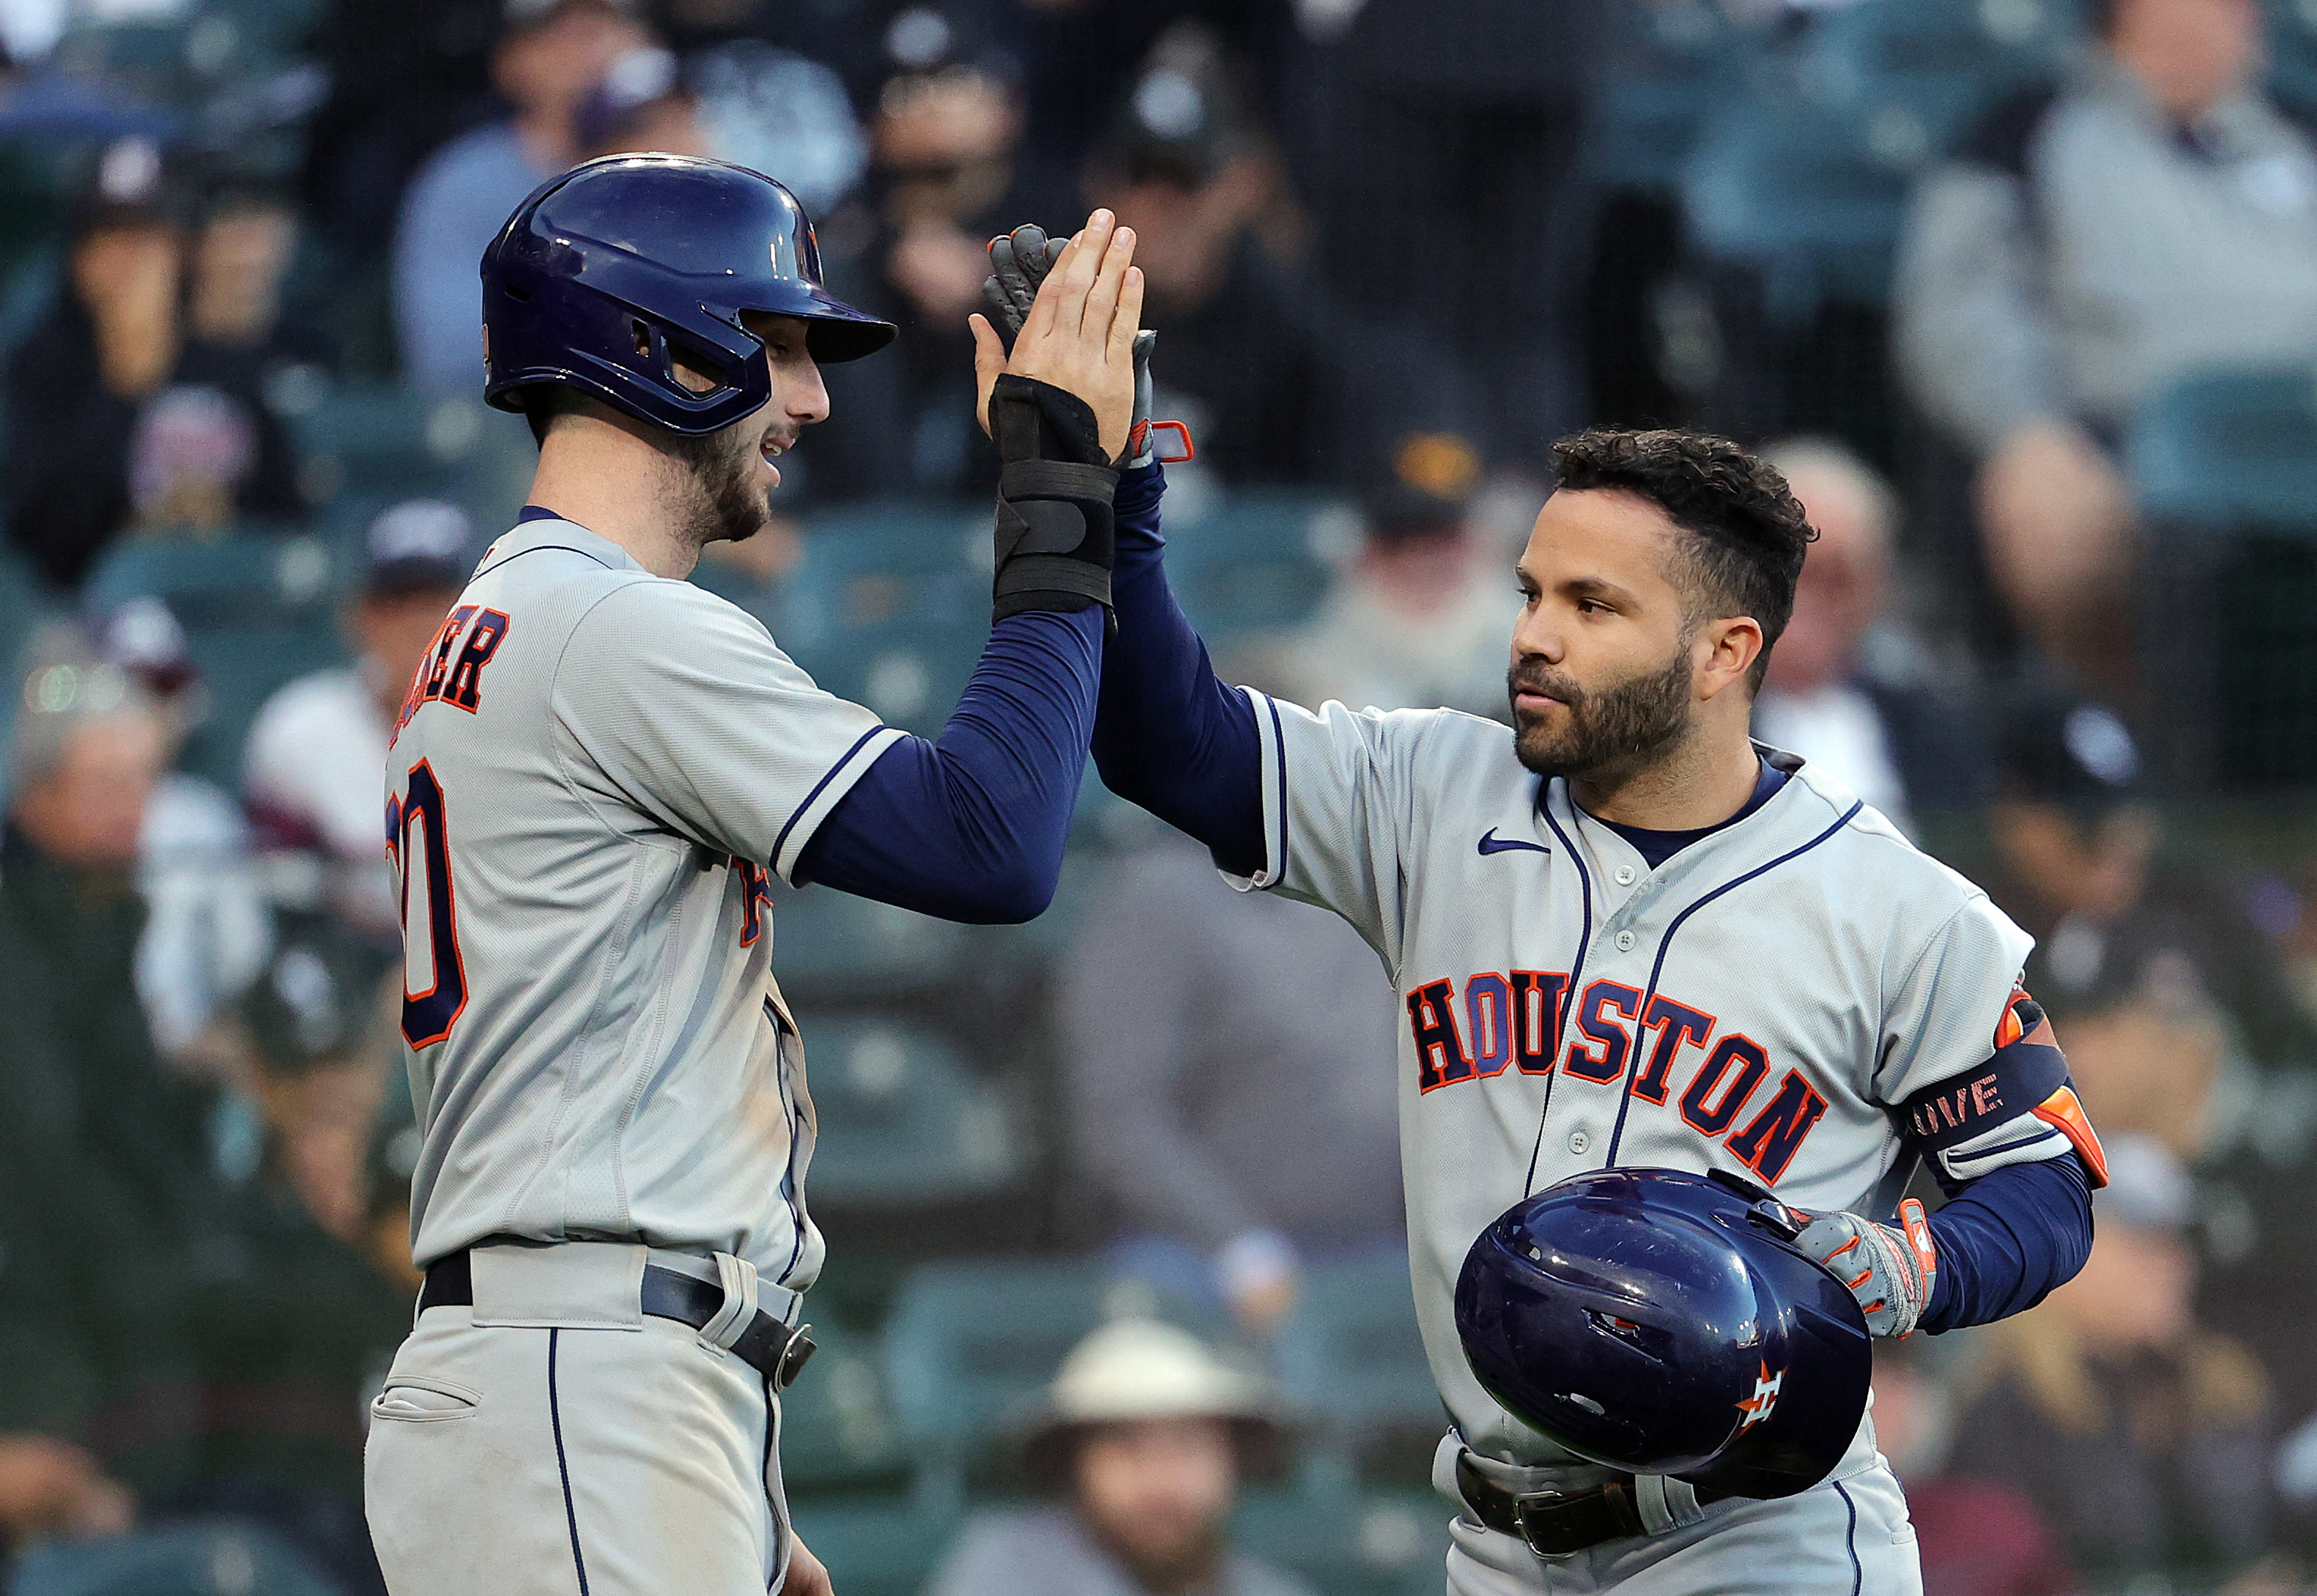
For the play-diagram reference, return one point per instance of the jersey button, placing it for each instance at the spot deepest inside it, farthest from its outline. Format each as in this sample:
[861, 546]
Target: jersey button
[1624, 875]
[1624, 942]
[1578, 1141]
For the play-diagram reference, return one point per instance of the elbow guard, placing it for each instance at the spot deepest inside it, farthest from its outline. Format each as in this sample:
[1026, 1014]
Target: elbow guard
[1054, 532]
[2019, 1107]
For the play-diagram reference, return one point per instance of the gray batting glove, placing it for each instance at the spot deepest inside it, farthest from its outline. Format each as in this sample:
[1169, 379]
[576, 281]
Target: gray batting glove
[1018, 263]
[1889, 1269]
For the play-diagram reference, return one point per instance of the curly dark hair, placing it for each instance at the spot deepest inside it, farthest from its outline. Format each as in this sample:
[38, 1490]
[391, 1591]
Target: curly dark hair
[1748, 531]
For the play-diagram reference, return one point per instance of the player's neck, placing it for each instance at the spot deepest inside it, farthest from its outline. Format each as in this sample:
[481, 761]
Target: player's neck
[1702, 781]
[620, 488]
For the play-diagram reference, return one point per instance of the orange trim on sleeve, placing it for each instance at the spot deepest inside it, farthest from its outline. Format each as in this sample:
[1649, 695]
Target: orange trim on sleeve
[2063, 1112]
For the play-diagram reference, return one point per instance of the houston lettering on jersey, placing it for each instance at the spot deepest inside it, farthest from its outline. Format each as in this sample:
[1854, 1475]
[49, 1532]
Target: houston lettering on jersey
[1511, 1019]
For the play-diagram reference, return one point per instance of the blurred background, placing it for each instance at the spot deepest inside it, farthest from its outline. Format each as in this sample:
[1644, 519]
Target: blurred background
[2022, 294]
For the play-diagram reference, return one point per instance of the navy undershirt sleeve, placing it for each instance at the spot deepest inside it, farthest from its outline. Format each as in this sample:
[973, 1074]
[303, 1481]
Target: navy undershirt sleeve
[2007, 1239]
[1170, 735]
[971, 826]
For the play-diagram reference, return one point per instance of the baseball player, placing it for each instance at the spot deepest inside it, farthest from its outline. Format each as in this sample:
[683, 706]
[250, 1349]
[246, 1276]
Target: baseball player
[1624, 933]
[596, 770]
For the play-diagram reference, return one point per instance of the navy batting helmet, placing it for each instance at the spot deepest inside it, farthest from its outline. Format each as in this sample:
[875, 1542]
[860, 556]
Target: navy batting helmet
[604, 268]
[1664, 1322]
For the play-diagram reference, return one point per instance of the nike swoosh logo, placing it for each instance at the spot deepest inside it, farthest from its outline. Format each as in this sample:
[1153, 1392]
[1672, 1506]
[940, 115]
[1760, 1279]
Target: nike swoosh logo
[1493, 843]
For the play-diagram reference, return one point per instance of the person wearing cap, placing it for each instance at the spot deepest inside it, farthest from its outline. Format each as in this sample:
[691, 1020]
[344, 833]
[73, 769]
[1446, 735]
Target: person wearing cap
[1144, 1436]
[312, 772]
[208, 927]
[122, 412]
[1417, 619]
[1259, 363]
[550, 56]
[2140, 1433]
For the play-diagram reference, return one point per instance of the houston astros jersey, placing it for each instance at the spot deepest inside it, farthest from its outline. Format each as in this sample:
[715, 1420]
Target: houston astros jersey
[1767, 1001]
[591, 774]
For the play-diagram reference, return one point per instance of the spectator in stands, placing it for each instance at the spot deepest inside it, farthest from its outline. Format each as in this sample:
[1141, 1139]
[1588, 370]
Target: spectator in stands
[314, 772]
[121, 412]
[643, 103]
[289, 1339]
[549, 56]
[103, 1151]
[1846, 691]
[208, 929]
[1147, 1434]
[1417, 620]
[50, 1487]
[943, 136]
[1247, 355]
[1451, 129]
[2142, 1435]
[1977, 1537]
[2092, 243]
[1238, 1137]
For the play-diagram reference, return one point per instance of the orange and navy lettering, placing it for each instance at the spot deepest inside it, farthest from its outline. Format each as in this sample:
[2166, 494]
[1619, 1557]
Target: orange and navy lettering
[1517, 1018]
[450, 674]
[755, 899]
[2026, 1074]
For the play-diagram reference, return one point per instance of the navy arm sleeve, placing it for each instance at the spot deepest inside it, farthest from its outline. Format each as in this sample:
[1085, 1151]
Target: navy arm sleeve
[1170, 735]
[971, 826]
[2006, 1239]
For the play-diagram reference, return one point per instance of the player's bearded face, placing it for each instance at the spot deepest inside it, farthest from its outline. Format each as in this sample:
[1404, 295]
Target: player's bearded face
[728, 502]
[1619, 725]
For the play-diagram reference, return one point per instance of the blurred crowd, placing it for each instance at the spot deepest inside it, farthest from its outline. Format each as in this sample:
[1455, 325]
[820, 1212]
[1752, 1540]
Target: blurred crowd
[2021, 295]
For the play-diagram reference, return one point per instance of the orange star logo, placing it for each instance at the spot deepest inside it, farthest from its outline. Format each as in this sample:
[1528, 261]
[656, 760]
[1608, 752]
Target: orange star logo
[1757, 1406]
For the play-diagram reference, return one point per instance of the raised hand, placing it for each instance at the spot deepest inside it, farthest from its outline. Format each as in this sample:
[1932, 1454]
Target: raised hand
[1079, 334]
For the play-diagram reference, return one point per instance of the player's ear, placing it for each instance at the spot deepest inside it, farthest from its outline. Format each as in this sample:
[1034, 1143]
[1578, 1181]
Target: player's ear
[1731, 644]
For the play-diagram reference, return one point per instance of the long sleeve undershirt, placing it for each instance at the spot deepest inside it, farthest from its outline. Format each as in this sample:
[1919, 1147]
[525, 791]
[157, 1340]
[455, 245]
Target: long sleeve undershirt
[970, 825]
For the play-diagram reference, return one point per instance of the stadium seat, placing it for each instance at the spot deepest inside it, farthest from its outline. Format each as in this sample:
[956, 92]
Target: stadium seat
[1374, 1544]
[257, 612]
[901, 1118]
[1921, 72]
[874, 1546]
[837, 1429]
[1672, 64]
[830, 944]
[970, 1347]
[2229, 451]
[1256, 563]
[1810, 197]
[2293, 54]
[882, 565]
[387, 444]
[206, 1559]
[1352, 1360]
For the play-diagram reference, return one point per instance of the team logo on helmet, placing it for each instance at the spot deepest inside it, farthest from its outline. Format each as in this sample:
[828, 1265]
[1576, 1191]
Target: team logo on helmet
[1757, 1406]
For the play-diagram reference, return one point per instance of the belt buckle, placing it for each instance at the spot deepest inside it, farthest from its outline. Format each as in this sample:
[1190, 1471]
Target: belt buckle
[1534, 1511]
[794, 1357]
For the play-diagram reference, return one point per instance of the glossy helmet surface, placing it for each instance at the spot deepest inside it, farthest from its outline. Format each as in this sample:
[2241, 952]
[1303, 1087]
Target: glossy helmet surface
[604, 268]
[1663, 1321]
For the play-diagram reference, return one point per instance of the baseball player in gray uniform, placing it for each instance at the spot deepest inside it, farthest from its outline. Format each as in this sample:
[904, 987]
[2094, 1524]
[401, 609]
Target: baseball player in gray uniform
[1624, 933]
[597, 769]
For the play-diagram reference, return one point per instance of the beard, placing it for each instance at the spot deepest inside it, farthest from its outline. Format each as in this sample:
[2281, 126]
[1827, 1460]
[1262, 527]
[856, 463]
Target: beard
[1615, 728]
[726, 505]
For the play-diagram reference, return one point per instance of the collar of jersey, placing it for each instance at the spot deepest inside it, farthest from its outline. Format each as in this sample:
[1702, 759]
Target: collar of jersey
[543, 532]
[1717, 839]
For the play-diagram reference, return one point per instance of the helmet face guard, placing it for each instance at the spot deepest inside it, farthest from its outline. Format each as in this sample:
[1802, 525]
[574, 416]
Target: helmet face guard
[608, 272]
[1662, 1322]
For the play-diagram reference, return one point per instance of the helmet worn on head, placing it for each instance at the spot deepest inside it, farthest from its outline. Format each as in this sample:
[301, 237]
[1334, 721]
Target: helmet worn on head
[605, 268]
[1663, 1321]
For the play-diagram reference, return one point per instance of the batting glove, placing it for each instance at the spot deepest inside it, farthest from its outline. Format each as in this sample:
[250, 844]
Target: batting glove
[1018, 263]
[1889, 1269]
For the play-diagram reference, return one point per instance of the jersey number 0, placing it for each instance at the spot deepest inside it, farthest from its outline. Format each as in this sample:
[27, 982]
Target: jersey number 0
[420, 849]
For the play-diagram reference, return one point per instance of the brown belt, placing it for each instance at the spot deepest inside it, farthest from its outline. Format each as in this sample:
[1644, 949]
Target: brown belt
[1555, 1523]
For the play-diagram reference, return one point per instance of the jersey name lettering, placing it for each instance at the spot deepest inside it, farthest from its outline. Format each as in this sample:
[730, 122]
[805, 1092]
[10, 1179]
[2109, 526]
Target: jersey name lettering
[450, 671]
[1505, 1019]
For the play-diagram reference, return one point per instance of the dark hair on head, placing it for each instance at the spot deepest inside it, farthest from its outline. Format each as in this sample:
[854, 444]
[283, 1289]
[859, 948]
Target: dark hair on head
[1748, 531]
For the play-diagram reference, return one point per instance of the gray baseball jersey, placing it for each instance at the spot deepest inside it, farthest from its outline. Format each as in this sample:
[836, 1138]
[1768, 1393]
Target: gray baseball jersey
[1765, 1002]
[593, 771]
